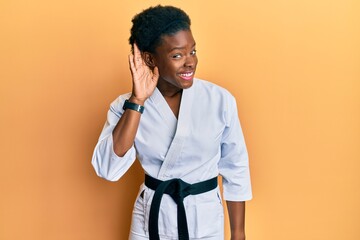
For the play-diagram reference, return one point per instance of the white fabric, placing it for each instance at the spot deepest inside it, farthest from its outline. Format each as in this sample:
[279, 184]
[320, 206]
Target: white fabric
[206, 140]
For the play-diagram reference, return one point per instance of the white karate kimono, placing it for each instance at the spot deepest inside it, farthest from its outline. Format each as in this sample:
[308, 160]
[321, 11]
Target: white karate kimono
[206, 140]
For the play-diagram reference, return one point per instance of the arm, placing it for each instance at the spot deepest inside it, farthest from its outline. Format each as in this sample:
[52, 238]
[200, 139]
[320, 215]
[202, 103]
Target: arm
[125, 130]
[144, 83]
[234, 168]
[236, 212]
[115, 153]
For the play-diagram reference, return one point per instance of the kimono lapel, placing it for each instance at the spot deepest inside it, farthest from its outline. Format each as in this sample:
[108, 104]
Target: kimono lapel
[181, 132]
[165, 112]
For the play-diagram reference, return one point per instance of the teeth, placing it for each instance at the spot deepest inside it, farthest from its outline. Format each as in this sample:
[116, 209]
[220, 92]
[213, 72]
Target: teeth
[187, 74]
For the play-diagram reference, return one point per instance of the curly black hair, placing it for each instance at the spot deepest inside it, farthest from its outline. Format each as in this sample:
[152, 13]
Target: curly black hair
[153, 23]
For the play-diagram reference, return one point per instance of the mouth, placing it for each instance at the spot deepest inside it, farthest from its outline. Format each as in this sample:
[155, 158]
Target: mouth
[187, 75]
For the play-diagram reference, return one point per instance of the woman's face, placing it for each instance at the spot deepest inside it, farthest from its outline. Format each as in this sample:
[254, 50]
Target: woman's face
[176, 59]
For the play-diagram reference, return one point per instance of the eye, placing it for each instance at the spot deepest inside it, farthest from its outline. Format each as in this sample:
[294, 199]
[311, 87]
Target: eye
[193, 52]
[176, 56]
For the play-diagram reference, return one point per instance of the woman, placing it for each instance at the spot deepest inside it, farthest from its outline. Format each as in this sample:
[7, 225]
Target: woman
[184, 131]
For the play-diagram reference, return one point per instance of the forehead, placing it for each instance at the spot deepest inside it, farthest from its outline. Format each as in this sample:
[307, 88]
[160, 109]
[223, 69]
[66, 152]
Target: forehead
[180, 40]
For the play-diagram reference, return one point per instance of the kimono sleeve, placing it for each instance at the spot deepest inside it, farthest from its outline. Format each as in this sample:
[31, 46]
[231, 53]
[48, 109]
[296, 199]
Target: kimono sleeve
[106, 163]
[234, 164]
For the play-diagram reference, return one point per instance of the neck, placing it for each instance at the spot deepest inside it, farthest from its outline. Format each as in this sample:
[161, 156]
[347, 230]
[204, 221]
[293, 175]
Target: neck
[171, 94]
[169, 90]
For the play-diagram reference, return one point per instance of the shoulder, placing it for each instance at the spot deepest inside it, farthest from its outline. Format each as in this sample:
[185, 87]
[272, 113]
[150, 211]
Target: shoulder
[220, 99]
[212, 90]
[121, 98]
[117, 105]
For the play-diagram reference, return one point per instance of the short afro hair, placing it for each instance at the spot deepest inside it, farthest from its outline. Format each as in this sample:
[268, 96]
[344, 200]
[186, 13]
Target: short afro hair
[153, 23]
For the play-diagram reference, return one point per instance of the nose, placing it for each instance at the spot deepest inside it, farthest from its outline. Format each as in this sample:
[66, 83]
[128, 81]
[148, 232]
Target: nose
[190, 61]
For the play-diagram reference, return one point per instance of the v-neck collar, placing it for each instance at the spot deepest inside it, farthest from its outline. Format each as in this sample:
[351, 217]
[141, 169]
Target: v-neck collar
[165, 111]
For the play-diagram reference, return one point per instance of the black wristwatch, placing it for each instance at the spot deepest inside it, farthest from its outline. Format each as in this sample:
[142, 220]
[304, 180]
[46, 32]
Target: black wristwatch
[133, 106]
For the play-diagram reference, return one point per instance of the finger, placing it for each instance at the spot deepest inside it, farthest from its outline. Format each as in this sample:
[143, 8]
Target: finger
[131, 64]
[155, 74]
[137, 56]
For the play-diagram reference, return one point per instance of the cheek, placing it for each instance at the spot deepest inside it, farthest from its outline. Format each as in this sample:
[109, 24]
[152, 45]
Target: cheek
[169, 68]
[165, 70]
[166, 73]
[196, 60]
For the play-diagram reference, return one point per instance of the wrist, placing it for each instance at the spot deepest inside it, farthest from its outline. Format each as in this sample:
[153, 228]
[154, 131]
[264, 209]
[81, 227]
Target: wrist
[136, 100]
[242, 237]
[133, 106]
[238, 235]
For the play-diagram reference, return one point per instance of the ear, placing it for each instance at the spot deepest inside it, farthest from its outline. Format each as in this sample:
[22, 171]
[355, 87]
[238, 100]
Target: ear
[149, 59]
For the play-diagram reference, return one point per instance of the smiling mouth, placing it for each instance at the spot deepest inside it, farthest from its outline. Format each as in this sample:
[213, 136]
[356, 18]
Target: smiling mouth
[187, 75]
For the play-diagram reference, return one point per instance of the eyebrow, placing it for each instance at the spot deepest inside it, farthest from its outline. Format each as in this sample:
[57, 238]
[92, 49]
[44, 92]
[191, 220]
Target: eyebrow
[180, 48]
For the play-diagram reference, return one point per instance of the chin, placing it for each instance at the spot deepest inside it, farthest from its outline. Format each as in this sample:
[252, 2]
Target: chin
[187, 85]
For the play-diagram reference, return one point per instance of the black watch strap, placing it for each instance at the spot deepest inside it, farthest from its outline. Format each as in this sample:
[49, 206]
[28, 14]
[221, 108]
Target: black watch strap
[133, 106]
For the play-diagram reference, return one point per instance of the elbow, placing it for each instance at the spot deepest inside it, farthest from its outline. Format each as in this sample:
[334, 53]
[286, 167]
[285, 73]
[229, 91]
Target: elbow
[104, 170]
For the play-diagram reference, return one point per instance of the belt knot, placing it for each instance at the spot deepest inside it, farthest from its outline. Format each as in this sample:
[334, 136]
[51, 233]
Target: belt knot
[178, 189]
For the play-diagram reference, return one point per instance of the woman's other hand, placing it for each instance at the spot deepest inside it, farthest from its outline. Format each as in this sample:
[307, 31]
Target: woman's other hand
[144, 79]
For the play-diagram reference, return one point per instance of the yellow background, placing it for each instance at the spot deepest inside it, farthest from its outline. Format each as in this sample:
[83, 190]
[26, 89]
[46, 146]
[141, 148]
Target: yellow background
[293, 65]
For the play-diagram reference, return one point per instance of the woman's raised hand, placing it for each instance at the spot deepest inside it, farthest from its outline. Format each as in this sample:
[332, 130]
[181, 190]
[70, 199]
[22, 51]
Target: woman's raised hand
[144, 79]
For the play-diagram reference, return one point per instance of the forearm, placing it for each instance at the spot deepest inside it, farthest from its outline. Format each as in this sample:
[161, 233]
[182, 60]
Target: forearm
[144, 83]
[125, 131]
[236, 212]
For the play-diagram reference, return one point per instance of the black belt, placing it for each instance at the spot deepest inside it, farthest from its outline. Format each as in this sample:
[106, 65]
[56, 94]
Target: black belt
[178, 190]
